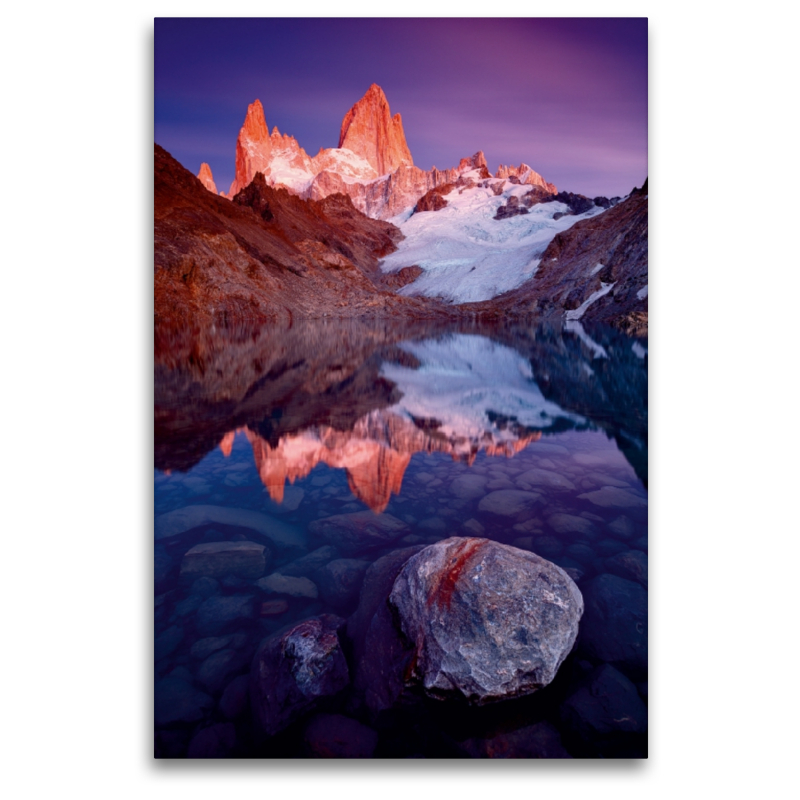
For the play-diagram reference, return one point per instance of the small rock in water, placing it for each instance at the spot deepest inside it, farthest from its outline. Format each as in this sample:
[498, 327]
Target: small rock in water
[622, 528]
[183, 674]
[569, 524]
[468, 487]
[603, 479]
[336, 736]
[203, 648]
[292, 498]
[168, 642]
[581, 553]
[218, 741]
[613, 497]
[532, 526]
[274, 608]
[354, 533]
[216, 613]
[543, 477]
[615, 624]
[547, 546]
[306, 565]
[283, 584]
[606, 715]
[473, 527]
[187, 606]
[292, 672]
[218, 667]
[205, 587]
[631, 565]
[609, 547]
[218, 559]
[340, 582]
[509, 505]
[177, 700]
[499, 483]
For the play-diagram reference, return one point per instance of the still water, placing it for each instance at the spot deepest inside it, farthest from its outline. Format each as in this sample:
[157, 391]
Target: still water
[531, 436]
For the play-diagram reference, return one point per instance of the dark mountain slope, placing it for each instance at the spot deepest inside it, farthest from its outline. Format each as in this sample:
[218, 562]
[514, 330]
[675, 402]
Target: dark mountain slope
[266, 255]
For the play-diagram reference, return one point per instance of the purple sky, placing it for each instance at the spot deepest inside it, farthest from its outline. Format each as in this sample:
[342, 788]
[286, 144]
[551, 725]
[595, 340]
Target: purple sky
[567, 96]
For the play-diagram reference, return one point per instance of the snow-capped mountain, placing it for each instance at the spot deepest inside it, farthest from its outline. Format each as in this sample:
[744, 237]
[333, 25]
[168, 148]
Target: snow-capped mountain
[372, 163]
[468, 237]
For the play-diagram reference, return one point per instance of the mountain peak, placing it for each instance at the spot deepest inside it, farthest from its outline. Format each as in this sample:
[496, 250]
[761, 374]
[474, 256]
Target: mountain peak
[255, 126]
[370, 131]
[206, 178]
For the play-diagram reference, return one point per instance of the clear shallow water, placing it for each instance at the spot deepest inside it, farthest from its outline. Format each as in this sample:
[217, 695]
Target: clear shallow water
[315, 421]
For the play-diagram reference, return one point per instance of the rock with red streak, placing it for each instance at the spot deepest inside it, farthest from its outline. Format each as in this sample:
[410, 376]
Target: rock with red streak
[370, 131]
[486, 621]
[206, 178]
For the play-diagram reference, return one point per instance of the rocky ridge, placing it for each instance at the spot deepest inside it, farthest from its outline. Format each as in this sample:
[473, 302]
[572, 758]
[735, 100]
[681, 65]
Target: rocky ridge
[594, 271]
[268, 254]
[372, 163]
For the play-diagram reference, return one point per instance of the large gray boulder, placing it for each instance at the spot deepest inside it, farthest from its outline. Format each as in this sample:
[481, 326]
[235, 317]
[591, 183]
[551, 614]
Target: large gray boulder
[293, 671]
[484, 620]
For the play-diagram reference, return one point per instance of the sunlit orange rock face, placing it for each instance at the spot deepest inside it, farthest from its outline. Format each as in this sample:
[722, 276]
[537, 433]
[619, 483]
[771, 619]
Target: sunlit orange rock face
[370, 131]
[375, 454]
[206, 178]
[372, 164]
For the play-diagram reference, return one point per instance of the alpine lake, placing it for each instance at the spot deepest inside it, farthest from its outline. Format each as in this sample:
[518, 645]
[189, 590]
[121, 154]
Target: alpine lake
[289, 459]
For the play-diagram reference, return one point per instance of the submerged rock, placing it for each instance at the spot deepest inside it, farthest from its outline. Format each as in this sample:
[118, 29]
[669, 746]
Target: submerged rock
[217, 613]
[615, 625]
[360, 531]
[217, 741]
[176, 700]
[293, 671]
[380, 655]
[217, 559]
[631, 565]
[485, 620]
[509, 504]
[340, 582]
[541, 740]
[605, 714]
[310, 563]
[614, 497]
[293, 587]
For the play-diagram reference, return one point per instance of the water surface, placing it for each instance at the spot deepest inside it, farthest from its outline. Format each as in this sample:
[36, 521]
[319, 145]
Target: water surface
[421, 423]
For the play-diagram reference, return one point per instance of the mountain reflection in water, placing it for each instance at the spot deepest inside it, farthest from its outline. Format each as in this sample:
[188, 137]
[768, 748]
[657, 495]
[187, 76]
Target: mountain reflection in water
[271, 444]
[365, 397]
